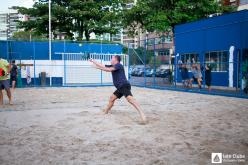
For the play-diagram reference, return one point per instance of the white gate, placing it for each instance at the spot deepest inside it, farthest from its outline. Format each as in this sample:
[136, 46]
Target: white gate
[79, 71]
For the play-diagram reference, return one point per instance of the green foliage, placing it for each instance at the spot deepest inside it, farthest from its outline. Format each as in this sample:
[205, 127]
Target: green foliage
[27, 36]
[69, 16]
[163, 15]
[104, 16]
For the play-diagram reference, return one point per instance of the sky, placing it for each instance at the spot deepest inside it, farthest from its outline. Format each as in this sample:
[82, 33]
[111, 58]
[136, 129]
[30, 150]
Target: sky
[5, 4]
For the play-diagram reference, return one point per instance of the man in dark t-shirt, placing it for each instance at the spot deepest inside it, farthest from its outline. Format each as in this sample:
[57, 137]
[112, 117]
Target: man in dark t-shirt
[208, 76]
[13, 75]
[123, 87]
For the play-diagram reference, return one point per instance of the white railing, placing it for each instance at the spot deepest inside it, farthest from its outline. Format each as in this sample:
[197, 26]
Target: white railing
[96, 56]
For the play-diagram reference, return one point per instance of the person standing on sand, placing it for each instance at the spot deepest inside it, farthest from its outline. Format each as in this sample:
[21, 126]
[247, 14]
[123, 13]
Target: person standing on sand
[208, 76]
[197, 75]
[121, 83]
[185, 76]
[13, 75]
[4, 80]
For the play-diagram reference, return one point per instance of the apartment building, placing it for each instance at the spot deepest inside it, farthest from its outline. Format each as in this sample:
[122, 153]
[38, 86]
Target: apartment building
[8, 23]
[241, 4]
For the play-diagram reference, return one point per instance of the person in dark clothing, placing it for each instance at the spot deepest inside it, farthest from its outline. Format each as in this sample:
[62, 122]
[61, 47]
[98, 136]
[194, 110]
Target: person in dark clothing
[123, 87]
[13, 75]
[185, 76]
[208, 76]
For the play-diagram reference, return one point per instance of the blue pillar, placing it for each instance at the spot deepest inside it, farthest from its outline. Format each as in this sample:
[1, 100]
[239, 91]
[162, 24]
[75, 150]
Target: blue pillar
[154, 64]
[34, 63]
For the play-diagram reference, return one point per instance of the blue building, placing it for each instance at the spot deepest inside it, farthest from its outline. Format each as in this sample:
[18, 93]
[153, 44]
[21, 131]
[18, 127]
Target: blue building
[221, 41]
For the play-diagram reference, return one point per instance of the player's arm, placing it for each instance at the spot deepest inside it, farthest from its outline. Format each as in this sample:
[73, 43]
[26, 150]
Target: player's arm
[96, 63]
[102, 67]
[106, 69]
[9, 68]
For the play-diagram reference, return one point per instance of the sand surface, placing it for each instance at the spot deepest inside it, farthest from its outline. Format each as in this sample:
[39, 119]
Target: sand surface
[61, 126]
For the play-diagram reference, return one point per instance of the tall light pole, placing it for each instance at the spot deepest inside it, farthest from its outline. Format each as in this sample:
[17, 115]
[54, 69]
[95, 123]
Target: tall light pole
[101, 43]
[50, 29]
[30, 35]
[50, 36]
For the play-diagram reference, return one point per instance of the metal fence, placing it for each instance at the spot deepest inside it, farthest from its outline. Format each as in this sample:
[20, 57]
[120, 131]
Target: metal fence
[149, 63]
[153, 65]
[68, 65]
[73, 70]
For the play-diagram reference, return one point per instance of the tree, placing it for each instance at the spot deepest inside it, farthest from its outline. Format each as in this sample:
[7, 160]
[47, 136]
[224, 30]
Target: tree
[80, 16]
[111, 18]
[27, 36]
[163, 15]
[38, 22]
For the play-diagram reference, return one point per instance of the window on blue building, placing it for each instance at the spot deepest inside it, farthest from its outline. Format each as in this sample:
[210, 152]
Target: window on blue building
[190, 58]
[218, 60]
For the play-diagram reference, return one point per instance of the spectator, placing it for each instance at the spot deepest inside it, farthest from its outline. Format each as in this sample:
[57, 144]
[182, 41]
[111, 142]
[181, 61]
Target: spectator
[208, 76]
[197, 75]
[13, 75]
[185, 76]
[4, 80]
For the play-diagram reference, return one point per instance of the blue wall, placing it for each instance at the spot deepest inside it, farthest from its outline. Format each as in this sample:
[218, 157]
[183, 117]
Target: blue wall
[39, 50]
[213, 34]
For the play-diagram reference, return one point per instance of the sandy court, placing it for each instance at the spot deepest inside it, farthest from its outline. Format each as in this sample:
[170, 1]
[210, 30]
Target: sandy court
[61, 126]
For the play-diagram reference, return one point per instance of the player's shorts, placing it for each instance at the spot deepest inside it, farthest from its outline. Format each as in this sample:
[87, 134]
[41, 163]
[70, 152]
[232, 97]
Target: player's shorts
[4, 84]
[125, 90]
[208, 82]
[195, 79]
[13, 78]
